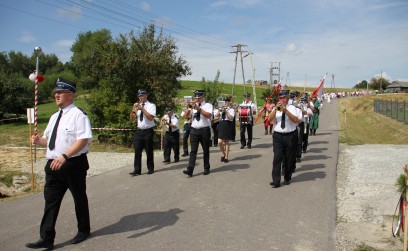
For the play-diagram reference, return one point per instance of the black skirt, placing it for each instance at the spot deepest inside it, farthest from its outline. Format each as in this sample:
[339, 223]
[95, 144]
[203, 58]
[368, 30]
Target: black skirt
[226, 130]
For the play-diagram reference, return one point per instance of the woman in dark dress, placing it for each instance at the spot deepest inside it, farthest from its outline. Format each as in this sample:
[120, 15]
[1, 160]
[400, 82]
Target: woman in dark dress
[225, 128]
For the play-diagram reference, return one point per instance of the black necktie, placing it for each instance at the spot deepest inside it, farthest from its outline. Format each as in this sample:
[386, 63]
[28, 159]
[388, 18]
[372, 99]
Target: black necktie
[141, 114]
[223, 115]
[283, 120]
[170, 124]
[51, 145]
[198, 114]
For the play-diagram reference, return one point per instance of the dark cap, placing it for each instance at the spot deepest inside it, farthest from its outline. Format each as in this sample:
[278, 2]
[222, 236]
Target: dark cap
[141, 92]
[199, 93]
[169, 109]
[247, 95]
[64, 85]
[227, 98]
[284, 93]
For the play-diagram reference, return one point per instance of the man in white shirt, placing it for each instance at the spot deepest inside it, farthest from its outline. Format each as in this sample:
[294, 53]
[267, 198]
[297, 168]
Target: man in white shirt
[66, 137]
[172, 136]
[200, 132]
[143, 112]
[247, 125]
[285, 118]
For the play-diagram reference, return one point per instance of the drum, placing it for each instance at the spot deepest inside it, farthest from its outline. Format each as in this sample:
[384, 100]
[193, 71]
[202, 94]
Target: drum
[244, 114]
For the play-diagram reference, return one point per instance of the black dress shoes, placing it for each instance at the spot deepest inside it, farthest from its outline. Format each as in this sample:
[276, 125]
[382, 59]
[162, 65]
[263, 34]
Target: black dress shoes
[166, 161]
[249, 146]
[298, 160]
[225, 160]
[206, 172]
[274, 185]
[242, 147]
[41, 244]
[176, 160]
[134, 174]
[187, 172]
[80, 237]
[150, 172]
[184, 155]
[287, 182]
[222, 158]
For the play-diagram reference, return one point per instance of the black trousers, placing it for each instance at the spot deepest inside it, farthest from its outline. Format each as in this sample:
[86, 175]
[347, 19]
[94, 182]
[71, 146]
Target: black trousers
[284, 149]
[305, 138]
[143, 139]
[186, 134]
[72, 176]
[200, 136]
[245, 127]
[301, 133]
[214, 126]
[172, 141]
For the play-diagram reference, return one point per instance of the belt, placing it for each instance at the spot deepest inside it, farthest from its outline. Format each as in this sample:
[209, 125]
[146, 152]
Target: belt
[285, 133]
[201, 128]
[139, 129]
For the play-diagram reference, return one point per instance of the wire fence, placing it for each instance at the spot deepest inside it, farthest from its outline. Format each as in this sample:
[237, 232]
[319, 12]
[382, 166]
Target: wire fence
[394, 109]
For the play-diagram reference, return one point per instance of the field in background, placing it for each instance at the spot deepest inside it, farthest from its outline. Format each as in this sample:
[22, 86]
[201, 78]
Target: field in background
[359, 124]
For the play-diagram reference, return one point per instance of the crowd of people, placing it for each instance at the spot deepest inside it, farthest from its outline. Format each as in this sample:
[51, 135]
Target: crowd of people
[290, 121]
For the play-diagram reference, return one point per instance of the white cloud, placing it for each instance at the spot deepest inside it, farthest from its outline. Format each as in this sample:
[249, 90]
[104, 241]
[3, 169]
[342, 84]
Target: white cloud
[293, 49]
[64, 43]
[27, 37]
[145, 6]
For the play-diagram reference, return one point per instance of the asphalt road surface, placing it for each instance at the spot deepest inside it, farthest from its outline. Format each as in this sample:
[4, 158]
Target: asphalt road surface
[233, 208]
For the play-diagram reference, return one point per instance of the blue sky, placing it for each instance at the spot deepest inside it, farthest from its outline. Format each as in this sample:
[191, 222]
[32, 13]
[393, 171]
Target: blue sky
[351, 39]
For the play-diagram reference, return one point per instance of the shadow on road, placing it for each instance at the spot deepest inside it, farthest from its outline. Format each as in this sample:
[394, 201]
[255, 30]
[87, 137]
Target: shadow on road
[151, 221]
[317, 142]
[263, 145]
[309, 167]
[230, 167]
[317, 150]
[309, 176]
[315, 157]
[245, 157]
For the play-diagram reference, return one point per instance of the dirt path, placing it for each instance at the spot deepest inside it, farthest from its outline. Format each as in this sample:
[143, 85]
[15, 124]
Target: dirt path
[367, 196]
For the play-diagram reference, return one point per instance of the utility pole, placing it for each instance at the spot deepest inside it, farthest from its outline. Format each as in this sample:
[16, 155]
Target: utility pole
[239, 50]
[253, 80]
[381, 82]
[287, 78]
[272, 75]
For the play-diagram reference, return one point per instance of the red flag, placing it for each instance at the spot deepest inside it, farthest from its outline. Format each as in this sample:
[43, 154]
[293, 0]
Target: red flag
[319, 90]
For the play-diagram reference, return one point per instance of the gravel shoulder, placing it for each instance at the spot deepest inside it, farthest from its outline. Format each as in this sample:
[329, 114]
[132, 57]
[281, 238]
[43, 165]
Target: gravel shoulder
[367, 196]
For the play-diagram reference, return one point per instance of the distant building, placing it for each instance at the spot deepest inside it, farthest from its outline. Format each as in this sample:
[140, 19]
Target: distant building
[261, 82]
[397, 86]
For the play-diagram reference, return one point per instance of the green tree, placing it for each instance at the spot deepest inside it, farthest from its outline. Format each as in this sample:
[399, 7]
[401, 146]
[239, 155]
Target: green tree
[377, 83]
[89, 51]
[129, 63]
[16, 93]
[362, 85]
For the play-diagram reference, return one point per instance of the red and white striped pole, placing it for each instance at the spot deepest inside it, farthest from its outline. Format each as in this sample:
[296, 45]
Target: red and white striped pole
[38, 52]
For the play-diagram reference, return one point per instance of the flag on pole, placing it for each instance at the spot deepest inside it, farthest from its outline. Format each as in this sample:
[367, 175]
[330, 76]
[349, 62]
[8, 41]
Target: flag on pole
[319, 90]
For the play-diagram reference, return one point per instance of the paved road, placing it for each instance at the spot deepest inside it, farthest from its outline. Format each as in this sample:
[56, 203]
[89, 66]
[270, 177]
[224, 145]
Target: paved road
[233, 208]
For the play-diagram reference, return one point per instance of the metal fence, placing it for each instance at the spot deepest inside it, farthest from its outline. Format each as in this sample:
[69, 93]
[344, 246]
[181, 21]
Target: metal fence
[392, 108]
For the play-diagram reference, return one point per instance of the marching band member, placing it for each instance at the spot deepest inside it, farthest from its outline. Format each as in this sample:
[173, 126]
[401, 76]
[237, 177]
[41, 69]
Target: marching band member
[200, 132]
[267, 109]
[225, 129]
[172, 136]
[144, 112]
[186, 128]
[314, 121]
[306, 118]
[215, 120]
[248, 125]
[285, 118]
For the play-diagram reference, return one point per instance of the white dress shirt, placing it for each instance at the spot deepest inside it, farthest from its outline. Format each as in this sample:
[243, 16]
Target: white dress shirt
[174, 121]
[146, 123]
[203, 122]
[289, 125]
[74, 125]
